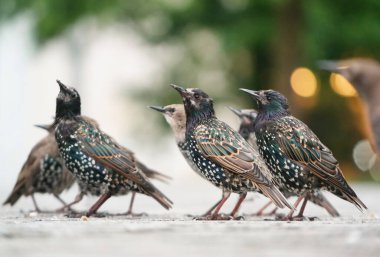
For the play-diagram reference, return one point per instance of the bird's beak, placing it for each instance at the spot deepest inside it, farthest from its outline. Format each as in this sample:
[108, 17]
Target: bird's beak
[158, 108]
[331, 66]
[255, 94]
[236, 111]
[182, 91]
[62, 86]
[45, 127]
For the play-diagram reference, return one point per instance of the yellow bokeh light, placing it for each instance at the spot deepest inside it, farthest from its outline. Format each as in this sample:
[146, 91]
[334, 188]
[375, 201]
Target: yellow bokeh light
[341, 86]
[303, 82]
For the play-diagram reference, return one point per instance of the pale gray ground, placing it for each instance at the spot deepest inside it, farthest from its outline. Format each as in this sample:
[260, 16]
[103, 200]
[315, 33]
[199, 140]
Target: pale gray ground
[174, 234]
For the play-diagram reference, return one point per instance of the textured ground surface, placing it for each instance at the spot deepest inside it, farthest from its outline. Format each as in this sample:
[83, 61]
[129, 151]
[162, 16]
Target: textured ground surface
[175, 234]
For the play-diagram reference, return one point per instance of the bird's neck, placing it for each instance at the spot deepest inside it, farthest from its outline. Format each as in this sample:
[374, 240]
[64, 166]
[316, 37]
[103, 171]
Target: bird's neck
[195, 117]
[267, 116]
[67, 111]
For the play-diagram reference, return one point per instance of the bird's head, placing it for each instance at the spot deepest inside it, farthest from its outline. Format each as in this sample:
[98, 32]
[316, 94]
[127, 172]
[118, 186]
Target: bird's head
[68, 102]
[247, 118]
[196, 102]
[269, 100]
[176, 117]
[362, 73]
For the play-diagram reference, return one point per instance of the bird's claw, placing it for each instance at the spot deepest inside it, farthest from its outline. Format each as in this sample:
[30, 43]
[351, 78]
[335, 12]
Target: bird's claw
[218, 217]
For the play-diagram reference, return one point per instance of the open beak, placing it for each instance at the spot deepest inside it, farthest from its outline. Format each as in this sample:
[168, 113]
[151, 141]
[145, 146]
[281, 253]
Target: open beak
[62, 86]
[158, 108]
[182, 91]
[236, 111]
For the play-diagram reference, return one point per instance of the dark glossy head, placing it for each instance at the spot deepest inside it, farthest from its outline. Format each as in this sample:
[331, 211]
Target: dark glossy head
[247, 118]
[269, 100]
[68, 102]
[196, 102]
[362, 73]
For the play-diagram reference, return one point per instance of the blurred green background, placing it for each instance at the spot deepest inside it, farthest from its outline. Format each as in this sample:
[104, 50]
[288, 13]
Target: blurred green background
[227, 44]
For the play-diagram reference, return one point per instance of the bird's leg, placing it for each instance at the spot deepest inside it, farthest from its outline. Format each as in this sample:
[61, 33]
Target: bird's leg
[61, 201]
[238, 204]
[261, 211]
[300, 214]
[35, 204]
[215, 214]
[212, 208]
[273, 212]
[98, 203]
[130, 212]
[290, 215]
[77, 199]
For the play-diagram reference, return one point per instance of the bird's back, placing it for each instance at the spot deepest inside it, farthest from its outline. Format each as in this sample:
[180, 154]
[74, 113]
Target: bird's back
[31, 169]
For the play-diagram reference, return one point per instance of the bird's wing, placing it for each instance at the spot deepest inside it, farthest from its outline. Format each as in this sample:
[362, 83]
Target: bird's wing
[226, 147]
[300, 144]
[106, 151]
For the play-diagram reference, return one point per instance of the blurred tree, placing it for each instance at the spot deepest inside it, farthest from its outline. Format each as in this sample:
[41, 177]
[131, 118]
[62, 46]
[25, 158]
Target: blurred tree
[262, 42]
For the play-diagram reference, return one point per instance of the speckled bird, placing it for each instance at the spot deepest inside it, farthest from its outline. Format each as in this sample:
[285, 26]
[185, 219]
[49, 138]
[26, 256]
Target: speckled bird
[246, 130]
[221, 155]
[43, 172]
[300, 162]
[84, 189]
[94, 157]
[176, 117]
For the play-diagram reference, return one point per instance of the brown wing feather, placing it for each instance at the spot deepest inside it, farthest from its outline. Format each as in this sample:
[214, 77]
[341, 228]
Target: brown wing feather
[108, 152]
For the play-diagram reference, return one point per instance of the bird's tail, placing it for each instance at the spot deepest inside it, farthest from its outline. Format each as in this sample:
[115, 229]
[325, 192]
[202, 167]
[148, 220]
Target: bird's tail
[322, 201]
[344, 191]
[276, 196]
[354, 199]
[152, 191]
[17, 192]
[152, 174]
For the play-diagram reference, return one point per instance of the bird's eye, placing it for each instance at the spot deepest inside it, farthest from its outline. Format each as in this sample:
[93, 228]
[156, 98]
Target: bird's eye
[196, 96]
[269, 98]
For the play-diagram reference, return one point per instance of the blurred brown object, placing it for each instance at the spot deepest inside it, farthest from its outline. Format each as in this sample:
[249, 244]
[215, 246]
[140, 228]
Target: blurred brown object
[364, 75]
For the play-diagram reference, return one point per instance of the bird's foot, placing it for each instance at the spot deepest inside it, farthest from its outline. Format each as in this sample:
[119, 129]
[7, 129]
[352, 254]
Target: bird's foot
[74, 214]
[133, 215]
[296, 218]
[218, 217]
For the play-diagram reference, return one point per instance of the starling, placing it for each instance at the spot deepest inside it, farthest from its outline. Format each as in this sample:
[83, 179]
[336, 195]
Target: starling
[246, 130]
[364, 75]
[176, 117]
[43, 172]
[221, 155]
[247, 120]
[95, 158]
[299, 161]
[85, 190]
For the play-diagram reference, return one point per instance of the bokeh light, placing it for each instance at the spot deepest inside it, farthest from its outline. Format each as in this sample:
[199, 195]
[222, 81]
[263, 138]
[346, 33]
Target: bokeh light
[341, 86]
[303, 82]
